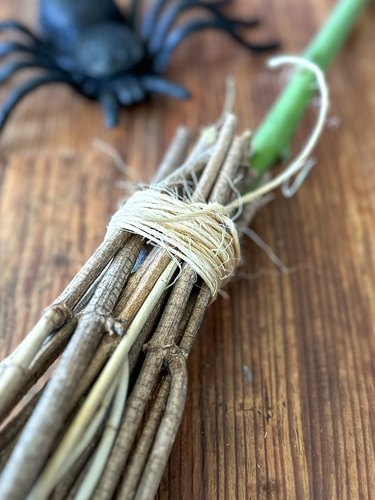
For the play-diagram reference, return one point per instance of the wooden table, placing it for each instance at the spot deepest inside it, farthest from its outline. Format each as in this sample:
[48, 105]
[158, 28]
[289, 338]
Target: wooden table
[281, 395]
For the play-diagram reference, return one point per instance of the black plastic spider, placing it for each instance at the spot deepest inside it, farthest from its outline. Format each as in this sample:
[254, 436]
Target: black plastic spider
[100, 52]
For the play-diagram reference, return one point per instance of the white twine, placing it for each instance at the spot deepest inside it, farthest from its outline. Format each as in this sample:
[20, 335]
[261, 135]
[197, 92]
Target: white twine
[201, 234]
[204, 234]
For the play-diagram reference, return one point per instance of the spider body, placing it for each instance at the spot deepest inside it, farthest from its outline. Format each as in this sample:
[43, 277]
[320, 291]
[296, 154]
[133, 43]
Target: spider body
[103, 53]
[63, 22]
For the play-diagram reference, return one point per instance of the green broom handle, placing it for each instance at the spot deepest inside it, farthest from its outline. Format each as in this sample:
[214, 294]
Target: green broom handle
[272, 139]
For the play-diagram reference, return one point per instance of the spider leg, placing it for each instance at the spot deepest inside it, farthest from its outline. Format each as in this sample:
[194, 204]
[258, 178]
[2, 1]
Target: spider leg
[129, 90]
[133, 12]
[22, 90]
[16, 26]
[38, 52]
[174, 11]
[7, 48]
[179, 34]
[157, 85]
[110, 106]
[150, 18]
[11, 68]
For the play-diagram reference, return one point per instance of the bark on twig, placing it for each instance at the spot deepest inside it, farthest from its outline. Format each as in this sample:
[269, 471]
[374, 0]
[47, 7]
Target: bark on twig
[168, 427]
[138, 458]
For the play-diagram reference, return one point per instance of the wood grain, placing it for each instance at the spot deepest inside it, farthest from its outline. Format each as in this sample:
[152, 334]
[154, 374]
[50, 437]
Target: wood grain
[281, 399]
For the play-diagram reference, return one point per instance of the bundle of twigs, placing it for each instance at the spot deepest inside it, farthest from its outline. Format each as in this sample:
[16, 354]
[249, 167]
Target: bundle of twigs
[122, 331]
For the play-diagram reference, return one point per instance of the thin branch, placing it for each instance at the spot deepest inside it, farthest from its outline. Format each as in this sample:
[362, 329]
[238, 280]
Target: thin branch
[168, 428]
[138, 458]
[175, 154]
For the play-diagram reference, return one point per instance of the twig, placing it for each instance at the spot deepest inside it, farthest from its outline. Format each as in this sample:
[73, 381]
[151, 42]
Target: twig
[134, 298]
[138, 458]
[27, 377]
[47, 481]
[175, 154]
[103, 450]
[168, 428]
[15, 366]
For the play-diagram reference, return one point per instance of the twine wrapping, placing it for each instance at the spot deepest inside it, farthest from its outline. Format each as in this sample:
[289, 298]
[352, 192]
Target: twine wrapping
[200, 234]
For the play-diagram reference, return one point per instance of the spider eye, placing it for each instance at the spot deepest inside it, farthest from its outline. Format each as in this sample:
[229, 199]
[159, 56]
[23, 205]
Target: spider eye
[108, 49]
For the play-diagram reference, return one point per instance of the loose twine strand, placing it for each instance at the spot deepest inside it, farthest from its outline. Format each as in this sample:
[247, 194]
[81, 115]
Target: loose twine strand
[204, 234]
[302, 164]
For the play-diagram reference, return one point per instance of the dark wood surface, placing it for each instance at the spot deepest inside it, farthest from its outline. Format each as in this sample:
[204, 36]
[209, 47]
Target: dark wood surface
[281, 381]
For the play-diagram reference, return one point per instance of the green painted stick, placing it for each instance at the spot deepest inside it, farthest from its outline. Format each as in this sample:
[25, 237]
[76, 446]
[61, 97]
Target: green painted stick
[272, 139]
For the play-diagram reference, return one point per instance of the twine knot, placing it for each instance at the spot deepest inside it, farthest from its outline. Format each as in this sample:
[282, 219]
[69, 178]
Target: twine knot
[200, 234]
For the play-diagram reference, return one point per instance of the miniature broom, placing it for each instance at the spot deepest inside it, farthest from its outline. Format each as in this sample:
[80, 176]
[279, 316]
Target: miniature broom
[105, 422]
